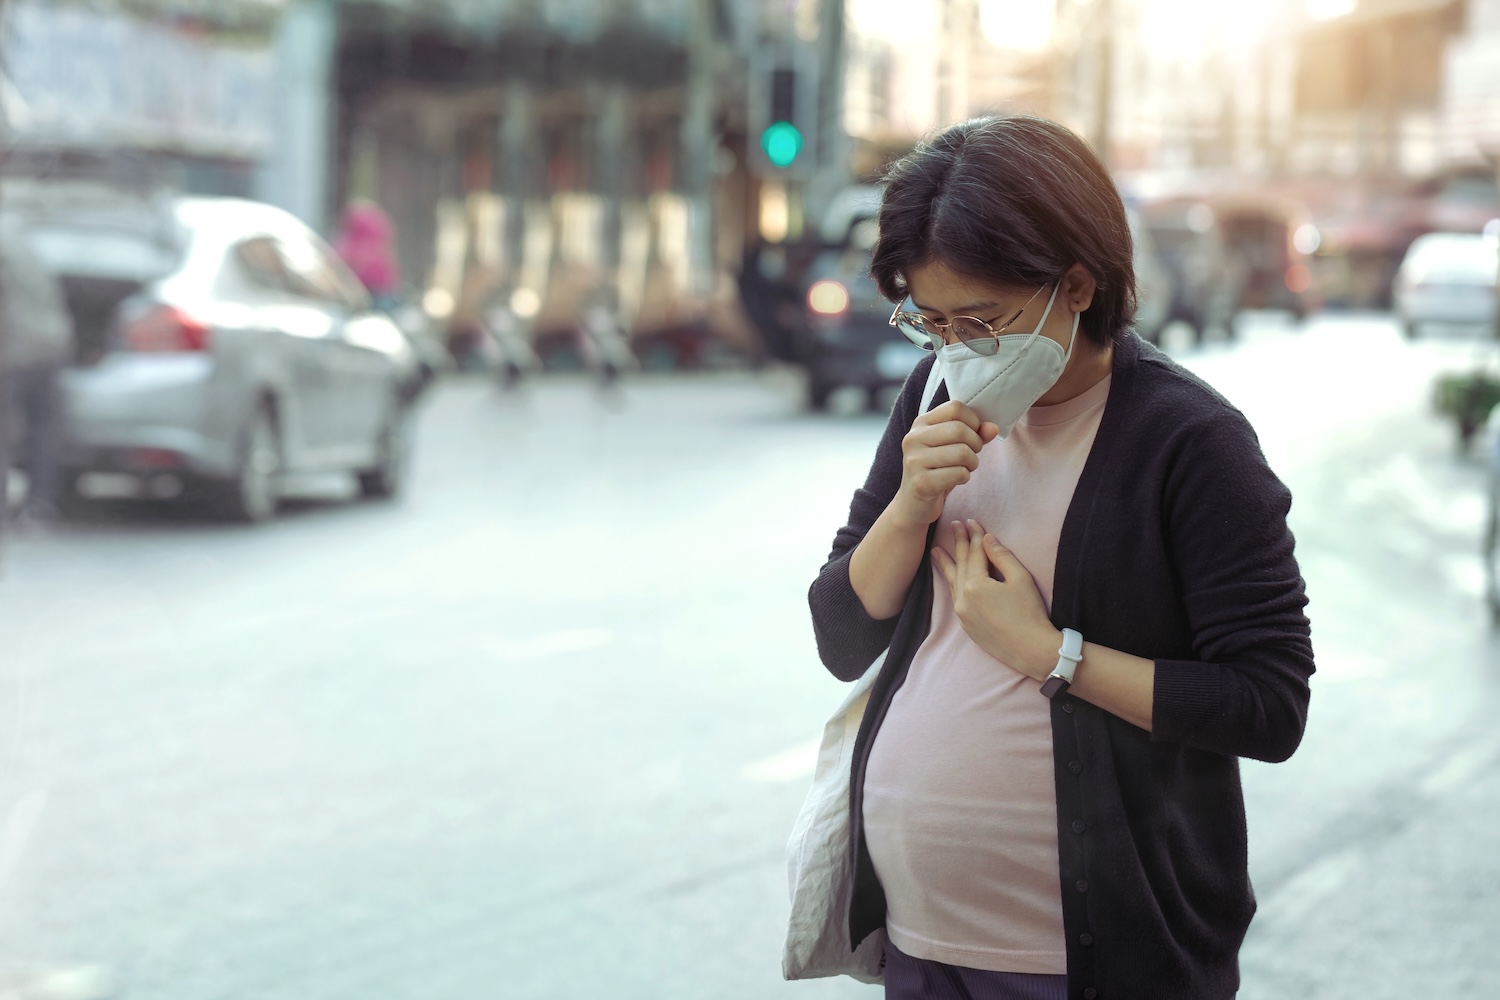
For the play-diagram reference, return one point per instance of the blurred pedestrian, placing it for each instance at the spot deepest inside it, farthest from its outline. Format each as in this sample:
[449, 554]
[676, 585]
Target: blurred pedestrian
[366, 242]
[36, 341]
[1078, 565]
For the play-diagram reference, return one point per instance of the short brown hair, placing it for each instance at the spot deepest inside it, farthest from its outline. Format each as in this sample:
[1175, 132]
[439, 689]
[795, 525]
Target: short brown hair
[1011, 200]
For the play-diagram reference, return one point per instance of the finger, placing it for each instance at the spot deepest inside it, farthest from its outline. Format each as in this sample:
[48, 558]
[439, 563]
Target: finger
[948, 432]
[947, 457]
[954, 410]
[979, 563]
[960, 547]
[1003, 558]
[944, 563]
[988, 431]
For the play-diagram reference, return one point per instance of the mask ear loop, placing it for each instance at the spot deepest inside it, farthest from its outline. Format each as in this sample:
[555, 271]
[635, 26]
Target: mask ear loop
[1072, 337]
[1051, 301]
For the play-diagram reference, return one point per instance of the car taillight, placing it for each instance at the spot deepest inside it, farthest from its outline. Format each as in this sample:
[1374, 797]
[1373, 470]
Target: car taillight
[1298, 279]
[828, 298]
[166, 328]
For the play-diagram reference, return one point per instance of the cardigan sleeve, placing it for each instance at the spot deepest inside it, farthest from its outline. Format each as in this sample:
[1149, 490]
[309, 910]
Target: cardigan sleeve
[848, 639]
[1247, 693]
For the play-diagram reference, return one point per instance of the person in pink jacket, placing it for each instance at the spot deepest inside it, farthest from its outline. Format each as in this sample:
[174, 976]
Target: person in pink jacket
[366, 242]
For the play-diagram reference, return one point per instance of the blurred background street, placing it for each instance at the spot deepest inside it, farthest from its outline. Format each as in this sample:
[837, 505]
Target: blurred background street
[420, 421]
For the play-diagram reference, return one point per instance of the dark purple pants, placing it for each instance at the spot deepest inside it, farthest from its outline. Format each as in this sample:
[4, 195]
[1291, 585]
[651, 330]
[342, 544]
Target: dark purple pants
[908, 978]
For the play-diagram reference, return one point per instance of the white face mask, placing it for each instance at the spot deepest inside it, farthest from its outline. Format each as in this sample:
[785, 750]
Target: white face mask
[1001, 387]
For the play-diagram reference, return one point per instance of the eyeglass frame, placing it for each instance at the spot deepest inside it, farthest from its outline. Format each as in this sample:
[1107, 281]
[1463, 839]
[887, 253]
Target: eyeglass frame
[936, 340]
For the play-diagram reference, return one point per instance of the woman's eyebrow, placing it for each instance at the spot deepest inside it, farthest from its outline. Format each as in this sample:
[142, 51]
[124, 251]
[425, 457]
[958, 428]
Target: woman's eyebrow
[961, 310]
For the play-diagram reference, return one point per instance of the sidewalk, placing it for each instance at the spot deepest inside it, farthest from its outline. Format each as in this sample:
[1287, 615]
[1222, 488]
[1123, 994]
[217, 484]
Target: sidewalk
[1411, 912]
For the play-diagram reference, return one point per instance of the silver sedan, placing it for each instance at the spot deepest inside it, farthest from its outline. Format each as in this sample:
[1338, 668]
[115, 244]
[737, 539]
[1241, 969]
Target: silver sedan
[241, 352]
[1448, 278]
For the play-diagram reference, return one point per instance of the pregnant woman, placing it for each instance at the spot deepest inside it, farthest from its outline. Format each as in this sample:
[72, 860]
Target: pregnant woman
[1079, 563]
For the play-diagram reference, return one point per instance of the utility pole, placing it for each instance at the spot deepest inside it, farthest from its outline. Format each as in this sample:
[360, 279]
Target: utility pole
[831, 150]
[295, 173]
[698, 143]
[5, 401]
[1104, 26]
[833, 145]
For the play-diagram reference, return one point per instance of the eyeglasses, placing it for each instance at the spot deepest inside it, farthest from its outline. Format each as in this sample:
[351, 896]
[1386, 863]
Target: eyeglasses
[975, 334]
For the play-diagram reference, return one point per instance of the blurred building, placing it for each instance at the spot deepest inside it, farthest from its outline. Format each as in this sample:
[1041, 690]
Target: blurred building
[940, 67]
[1471, 85]
[1350, 88]
[1369, 89]
[542, 157]
[181, 89]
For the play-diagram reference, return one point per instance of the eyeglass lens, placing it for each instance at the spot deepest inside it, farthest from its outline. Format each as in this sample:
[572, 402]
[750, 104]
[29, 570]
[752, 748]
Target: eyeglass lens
[925, 334]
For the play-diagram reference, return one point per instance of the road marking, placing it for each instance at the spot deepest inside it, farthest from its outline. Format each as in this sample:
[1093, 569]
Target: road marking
[789, 765]
[1461, 767]
[552, 644]
[20, 823]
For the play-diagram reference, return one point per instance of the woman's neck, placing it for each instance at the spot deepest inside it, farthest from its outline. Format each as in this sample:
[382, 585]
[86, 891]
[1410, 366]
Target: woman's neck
[1090, 364]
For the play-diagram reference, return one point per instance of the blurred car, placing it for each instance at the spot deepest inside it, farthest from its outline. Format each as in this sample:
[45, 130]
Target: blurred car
[1447, 278]
[1206, 276]
[1273, 240]
[846, 339]
[1491, 541]
[221, 346]
[1153, 281]
[1461, 200]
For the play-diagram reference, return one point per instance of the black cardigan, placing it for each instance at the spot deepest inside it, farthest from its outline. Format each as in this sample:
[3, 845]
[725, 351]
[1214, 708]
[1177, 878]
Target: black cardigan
[1175, 546]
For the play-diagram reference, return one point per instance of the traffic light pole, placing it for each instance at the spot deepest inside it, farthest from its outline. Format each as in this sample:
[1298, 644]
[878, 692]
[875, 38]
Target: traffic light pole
[698, 144]
[832, 147]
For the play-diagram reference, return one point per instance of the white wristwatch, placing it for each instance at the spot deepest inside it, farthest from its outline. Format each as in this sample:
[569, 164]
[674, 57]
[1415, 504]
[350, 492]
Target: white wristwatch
[1068, 657]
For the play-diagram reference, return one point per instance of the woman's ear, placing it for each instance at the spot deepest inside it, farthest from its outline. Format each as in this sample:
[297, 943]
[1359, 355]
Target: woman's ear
[1078, 287]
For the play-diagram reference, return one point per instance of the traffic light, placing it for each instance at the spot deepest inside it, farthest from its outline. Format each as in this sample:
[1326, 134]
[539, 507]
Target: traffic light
[782, 140]
[783, 113]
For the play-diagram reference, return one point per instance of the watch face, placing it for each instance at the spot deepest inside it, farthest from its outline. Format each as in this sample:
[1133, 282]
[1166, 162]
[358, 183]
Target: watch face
[1053, 686]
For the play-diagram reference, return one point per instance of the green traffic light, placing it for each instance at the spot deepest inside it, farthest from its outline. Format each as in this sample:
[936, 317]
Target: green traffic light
[782, 142]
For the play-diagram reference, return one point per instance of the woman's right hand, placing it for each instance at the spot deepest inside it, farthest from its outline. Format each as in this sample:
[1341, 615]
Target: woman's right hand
[938, 454]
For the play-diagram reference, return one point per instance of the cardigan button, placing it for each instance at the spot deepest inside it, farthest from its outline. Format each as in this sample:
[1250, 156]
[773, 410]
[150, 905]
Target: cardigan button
[1081, 885]
[1068, 707]
[1075, 766]
[1085, 939]
[1090, 993]
[1078, 826]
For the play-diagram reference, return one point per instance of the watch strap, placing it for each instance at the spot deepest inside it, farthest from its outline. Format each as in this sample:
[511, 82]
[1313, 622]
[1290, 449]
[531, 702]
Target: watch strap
[1069, 654]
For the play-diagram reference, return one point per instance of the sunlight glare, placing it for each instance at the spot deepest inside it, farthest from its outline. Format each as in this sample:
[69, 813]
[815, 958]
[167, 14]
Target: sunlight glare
[894, 20]
[1328, 10]
[1016, 24]
[1185, 27]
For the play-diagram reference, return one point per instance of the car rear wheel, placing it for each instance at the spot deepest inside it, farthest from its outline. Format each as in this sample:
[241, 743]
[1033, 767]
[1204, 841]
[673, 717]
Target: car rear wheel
[71, 503]
[1199, 325]
[385, 479]
[252, 494]
[818, 392]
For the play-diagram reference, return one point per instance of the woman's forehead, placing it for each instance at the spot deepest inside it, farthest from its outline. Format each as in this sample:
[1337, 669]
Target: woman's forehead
[935, 287]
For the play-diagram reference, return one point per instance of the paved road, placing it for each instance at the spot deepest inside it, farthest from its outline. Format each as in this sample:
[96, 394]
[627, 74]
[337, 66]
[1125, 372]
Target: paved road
[540, 729]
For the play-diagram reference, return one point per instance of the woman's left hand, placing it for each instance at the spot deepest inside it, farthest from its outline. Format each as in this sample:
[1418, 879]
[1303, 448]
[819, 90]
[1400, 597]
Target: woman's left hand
[1006, 617]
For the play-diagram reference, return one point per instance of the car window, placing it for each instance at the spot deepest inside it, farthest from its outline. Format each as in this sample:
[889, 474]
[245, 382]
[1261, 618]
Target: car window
[313, 274]
[1455, 258]
[262, 264]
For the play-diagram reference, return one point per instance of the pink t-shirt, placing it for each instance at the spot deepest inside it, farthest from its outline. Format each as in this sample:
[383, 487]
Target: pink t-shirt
[960, 811]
